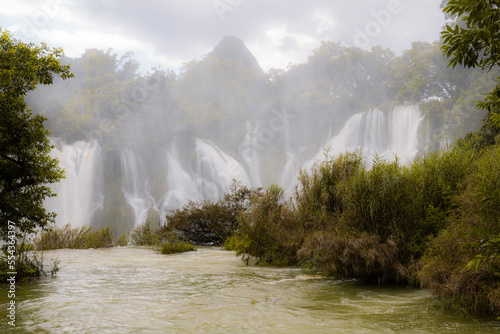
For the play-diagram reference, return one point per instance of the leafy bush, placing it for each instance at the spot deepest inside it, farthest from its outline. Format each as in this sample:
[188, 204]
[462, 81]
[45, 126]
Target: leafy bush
[365, 256]
[348, 221]
[162, 239]
[209, 223]
[318, 191]
[265, 230]
[362, 216]
[175, 247]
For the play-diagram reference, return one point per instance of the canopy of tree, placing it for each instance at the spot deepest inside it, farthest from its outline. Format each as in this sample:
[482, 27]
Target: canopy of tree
[474, 41]
[26, 168]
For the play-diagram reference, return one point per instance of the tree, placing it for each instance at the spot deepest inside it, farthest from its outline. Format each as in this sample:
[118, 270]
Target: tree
[26, 168]
[474, 41]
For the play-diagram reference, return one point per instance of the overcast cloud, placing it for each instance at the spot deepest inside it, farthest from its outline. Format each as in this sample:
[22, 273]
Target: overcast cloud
[169, 33]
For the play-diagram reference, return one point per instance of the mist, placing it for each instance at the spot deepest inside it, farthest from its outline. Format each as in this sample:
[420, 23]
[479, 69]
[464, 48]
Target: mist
[136, 144]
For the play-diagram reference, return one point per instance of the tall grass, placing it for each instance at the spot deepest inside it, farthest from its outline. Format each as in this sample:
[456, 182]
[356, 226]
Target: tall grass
[28, 264]
[348, 221]
[462, 263]
[74, 238]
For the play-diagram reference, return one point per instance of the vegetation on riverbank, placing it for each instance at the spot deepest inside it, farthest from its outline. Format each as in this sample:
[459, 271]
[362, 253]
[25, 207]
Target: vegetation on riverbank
[162, 239]
[25, 263]
[435, 222]
[74, 238]
[210, 223]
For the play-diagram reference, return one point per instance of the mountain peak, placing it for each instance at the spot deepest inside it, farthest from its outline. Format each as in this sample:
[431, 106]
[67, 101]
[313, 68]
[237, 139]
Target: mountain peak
[233, 48]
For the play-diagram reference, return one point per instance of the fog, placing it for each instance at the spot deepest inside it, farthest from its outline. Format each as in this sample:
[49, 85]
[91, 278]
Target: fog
[169, 33]
[137, 143]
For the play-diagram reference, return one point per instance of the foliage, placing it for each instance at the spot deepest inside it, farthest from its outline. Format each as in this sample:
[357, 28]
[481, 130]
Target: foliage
[348, 221]
[475, 44]
[474, 41]
[162, 239]
[176, 246]
[462, 262]
[28, 264]
[210, 223]
[264, 231]
[143, 235]
[122, 241]
[367, 256]
[318, 190]
[26, 168]
[74, 238]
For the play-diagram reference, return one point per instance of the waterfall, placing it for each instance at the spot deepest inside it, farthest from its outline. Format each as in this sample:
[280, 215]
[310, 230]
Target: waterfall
[216, 170]
[386, 134]
[291, 168]
[405, 124]
[212, 176]
[249, 152]
[135, 185]
[79, 195]
[206, 171]
[181, 188]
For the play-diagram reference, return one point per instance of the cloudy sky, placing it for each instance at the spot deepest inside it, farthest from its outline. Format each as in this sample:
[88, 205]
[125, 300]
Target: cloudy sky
[171, 32]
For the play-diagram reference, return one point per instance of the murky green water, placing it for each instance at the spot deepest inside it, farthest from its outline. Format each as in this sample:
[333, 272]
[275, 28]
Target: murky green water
[135, 290]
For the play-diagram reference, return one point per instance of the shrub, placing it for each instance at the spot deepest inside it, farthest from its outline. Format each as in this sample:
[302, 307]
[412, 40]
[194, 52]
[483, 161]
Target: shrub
[319, 189]
[162, 239]
[352, 222]
[210, 223]
[463, 260]
[267, 233]
[366, 256]
[143, 235]
[122, 241]
[175, 247]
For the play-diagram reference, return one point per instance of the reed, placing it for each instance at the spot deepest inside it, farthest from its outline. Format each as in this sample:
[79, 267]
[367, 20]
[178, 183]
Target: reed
[28, 263]
[74, 238]
[462, 264]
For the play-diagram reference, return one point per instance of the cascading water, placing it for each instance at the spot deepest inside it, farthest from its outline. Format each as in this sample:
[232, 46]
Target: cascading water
[404, 131]
[386, 134]
[211, 179]
[216, 170]
[210, 173]
[291, 168]
[248, 150]
[79, 195]
[136, 187]
[181, 188]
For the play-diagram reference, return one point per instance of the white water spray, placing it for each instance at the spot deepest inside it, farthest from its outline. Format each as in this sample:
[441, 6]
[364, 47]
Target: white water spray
[79, 195]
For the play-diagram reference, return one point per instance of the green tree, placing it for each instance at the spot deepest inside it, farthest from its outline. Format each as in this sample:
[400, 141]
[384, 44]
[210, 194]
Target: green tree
[26, 168]
[474, 41]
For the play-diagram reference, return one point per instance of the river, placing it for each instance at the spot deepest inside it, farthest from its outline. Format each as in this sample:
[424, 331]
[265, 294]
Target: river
[136, 290]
